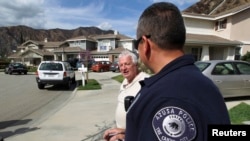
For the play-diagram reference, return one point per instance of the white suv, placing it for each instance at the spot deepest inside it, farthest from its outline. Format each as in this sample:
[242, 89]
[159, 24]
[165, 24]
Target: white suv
[55, 72]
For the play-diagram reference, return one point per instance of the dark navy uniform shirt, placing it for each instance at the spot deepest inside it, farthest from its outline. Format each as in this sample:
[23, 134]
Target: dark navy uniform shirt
[178, 103]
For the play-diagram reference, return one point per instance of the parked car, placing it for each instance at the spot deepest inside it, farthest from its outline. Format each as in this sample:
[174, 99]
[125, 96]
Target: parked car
[16, 68]
[114, 67]
[100, 66]
[89, 64]
[231, 76]
[53, 73]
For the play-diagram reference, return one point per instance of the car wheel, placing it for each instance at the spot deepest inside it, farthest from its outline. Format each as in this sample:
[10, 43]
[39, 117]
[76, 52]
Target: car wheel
[40, 86]
[10, 72]
[68, 85]
[25, 73]
[73, 80]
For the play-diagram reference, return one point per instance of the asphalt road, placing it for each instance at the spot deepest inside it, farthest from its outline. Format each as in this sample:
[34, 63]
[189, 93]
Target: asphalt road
[23, 104]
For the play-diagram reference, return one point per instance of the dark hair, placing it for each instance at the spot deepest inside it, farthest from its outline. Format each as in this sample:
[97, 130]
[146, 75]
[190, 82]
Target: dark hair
[164, 23]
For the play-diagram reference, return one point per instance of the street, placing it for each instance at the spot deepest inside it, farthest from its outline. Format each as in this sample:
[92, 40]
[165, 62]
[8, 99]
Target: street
[23, 104]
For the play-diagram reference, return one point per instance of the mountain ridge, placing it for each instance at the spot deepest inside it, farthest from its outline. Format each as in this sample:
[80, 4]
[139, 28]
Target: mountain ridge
[214, 7]
[13, 36]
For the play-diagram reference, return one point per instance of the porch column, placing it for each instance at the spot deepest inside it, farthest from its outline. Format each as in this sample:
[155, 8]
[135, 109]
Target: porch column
[230, 53]
[205, 53]
[23, 60]
[55, 57]
[63, 56]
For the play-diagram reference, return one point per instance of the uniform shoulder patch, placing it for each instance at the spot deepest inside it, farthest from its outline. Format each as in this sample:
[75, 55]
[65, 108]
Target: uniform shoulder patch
[174, 123]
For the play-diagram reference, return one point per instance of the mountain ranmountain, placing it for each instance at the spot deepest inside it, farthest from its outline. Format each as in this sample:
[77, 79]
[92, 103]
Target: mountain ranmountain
[13, 36]
[210, 7]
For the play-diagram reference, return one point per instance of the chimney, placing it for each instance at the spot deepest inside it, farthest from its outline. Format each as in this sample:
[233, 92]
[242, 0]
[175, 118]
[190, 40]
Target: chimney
[116, 32]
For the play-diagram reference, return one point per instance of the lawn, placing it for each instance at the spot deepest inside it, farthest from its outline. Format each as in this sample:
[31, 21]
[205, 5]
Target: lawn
[91, 84]
[240, 113]
[118, 78]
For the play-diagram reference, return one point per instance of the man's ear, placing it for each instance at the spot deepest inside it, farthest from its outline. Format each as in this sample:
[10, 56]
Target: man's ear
[146, 48]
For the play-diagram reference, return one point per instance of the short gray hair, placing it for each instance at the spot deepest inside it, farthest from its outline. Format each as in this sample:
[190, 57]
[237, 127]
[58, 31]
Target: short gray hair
[133, 55]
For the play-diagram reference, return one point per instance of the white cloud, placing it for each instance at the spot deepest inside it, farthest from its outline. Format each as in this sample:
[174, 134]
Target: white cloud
[67, 14]
[23, 12]
[105, 26]
[63, 17]
[179, 3]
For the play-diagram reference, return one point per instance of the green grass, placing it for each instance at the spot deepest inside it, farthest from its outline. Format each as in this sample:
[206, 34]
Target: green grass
[240, 113]
[91, 84]
[118, 78]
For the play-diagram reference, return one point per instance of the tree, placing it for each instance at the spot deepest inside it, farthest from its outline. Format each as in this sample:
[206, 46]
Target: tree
[246, 57]
[86, 58]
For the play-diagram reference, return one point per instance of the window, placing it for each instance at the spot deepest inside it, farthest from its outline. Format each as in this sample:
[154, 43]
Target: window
[103, 48]
[197, 53]
[243, 68]
[202, 65]
[223, 69]
[237, 53]
[221, 24]
[104, 44]
[51, 66]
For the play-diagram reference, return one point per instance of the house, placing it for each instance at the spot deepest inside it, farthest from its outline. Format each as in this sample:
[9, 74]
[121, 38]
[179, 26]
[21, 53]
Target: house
[94, 47]
[105, 47]
[32, 52]
[109, 46]
[218, 33]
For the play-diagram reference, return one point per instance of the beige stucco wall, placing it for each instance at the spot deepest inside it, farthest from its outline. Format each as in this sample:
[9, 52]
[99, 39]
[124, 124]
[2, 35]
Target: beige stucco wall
[126, 44]
[224, 33]
[240, 29]
[197, 26]
[240, 26]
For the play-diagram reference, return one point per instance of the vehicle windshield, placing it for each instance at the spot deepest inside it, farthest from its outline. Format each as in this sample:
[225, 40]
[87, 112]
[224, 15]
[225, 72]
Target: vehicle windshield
[17, 64]
[202, 65]
[51, 66]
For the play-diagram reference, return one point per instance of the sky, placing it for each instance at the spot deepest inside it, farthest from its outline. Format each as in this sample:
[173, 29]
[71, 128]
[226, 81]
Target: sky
[120, 15]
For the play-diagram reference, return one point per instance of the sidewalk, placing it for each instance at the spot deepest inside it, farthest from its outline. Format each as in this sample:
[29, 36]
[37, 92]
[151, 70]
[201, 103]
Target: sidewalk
[88, 113]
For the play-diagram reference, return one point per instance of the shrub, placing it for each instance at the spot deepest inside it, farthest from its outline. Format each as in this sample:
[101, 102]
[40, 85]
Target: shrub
[246, 57]
[32, 68]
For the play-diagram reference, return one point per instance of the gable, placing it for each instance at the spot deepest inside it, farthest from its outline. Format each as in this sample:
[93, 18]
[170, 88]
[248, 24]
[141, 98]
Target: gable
[31, 54]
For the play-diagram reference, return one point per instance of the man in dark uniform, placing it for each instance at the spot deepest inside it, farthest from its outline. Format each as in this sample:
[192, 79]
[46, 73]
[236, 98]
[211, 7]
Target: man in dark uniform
[178, 102]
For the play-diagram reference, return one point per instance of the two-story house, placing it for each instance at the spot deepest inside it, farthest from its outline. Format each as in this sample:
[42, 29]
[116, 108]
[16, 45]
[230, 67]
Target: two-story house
[32, 52]
[109, 46]
[95, 47]
[221, 33]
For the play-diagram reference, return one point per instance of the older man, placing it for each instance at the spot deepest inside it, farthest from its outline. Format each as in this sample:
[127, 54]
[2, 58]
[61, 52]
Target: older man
[128, 64]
